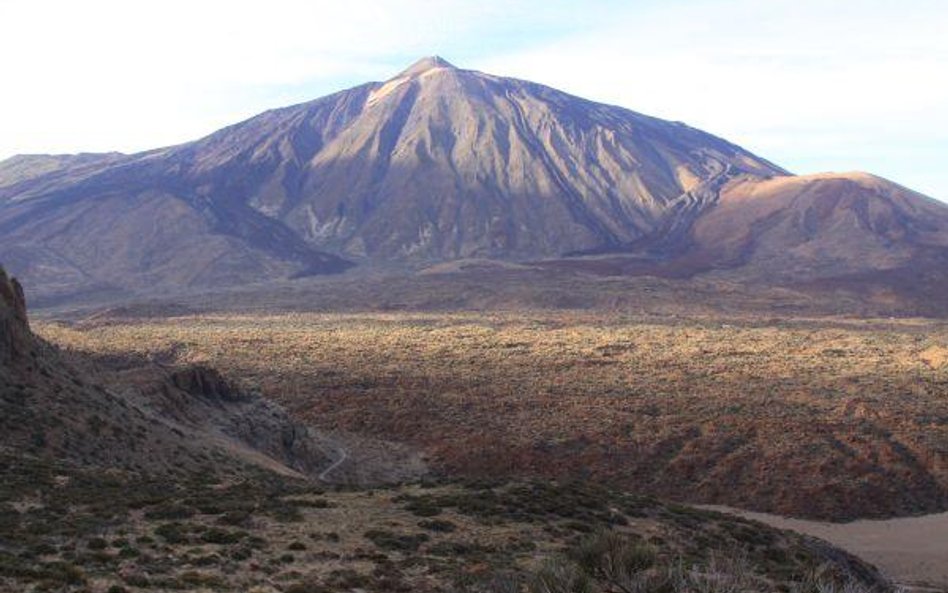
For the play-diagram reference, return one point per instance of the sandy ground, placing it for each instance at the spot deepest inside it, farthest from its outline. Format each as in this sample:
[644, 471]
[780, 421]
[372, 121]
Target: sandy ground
[911, 550]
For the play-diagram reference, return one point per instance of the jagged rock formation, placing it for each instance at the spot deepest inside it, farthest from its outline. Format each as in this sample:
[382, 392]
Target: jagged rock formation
[14, 327]
[205, 382]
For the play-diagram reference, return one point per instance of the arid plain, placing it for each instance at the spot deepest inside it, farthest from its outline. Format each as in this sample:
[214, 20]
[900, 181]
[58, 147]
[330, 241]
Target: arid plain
[828, 419]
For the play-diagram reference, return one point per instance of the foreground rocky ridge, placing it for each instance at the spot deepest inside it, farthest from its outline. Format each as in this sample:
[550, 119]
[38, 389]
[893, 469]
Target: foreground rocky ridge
[139, 416]
[15, 342]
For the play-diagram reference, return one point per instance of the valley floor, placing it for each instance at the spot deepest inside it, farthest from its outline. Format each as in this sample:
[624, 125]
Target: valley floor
[910, 550]
[825, 419]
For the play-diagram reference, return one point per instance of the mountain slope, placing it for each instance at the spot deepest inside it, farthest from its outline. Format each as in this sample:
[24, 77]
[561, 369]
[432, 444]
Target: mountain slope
[134, 415]
[188, 484]
[436, 163]
[445, 163]
[440, 163]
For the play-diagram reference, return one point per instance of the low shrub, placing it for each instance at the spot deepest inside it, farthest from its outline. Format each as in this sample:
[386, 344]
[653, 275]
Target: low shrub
[393, 541]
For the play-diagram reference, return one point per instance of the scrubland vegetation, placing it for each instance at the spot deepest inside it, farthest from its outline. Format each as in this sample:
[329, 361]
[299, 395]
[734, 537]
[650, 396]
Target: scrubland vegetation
[829, 419]
[65, 529]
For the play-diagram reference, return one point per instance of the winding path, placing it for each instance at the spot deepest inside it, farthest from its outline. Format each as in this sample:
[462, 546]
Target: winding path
[343, 456]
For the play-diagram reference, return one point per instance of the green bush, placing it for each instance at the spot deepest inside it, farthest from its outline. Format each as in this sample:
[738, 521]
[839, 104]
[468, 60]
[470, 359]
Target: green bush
[241, 553]
[97, 543]
[137, 580]
[613, 558]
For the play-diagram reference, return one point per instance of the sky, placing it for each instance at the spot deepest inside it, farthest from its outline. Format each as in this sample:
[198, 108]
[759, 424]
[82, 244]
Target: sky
[813, 85]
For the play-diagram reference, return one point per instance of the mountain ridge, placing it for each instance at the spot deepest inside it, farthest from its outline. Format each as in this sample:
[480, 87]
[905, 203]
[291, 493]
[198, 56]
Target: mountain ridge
[436, 164]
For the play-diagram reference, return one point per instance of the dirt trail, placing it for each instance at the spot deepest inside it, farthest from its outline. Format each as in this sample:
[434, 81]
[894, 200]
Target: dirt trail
[365, 461]
[343, 456]
[910, 550]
